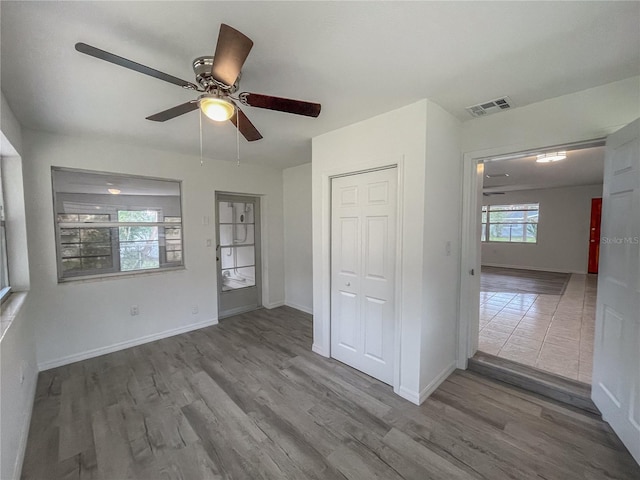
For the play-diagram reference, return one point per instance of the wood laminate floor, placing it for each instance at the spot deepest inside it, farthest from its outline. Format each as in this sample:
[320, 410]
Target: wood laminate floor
[247, 399]
[500, 279]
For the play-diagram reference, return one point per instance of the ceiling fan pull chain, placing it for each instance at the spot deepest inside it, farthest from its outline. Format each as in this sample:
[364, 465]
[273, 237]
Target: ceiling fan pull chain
[237, 136]
[200, 118]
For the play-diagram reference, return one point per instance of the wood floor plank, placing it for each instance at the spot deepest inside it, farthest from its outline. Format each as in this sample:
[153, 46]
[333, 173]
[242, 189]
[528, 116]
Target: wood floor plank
[433, 465]
[247, 399]
[500, 279]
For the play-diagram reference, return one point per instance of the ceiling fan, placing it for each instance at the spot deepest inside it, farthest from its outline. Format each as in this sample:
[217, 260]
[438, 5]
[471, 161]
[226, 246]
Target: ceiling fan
[217, 79]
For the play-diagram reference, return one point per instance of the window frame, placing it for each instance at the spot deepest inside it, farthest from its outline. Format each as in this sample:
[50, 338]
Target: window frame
[4, 255]
[486, 225]
[113, 225]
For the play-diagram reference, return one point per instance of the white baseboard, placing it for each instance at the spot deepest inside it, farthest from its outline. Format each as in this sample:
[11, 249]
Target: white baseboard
[269, 306]
[24, 435]
[96, 352]
[419, 397]
[435, 383]
[410, 395]
[535, 269]
[319, 350]
[299, 307]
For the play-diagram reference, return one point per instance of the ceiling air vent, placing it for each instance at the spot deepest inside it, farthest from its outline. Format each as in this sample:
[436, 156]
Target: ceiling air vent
[493, 106]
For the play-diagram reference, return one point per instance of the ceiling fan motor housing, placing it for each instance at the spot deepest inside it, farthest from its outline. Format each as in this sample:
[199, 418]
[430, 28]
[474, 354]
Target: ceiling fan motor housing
[202, 67]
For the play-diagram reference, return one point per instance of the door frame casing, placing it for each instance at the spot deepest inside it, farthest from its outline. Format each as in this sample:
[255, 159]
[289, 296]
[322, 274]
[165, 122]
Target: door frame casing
[468, 322]
[324, 347]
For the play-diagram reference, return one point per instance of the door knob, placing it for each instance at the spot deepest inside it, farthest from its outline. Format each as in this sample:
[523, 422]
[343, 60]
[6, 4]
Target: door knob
[348, 284]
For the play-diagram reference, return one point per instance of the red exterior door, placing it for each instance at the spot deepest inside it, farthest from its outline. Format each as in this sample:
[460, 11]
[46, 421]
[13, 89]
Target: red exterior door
[594, 234]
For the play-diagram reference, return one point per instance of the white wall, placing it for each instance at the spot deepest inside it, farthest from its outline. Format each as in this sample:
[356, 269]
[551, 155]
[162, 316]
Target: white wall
[9, 125]
[86, 318]
[15, 221]
[584, 115]
[441, 267]
[398, 137]
[18, 366]
[563, 230]
[18, 378]
[298, 266]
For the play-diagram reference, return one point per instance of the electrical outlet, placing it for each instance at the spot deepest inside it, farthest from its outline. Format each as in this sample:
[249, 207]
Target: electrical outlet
[194, 309]
[135, 310]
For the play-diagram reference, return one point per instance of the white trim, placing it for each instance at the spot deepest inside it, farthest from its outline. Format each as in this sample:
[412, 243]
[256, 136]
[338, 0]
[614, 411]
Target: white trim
[468, 310]
[319, 350]
[411, 395]
[436, 382]
[535, 269]
[272, 305]
[419, 397]
[24, 435]
[398, 291]
[96, 352]
[308, 310]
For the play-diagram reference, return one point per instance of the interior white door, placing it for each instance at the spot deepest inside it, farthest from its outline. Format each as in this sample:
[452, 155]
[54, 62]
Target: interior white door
[363, 254]
[238, 254]
[616, 361]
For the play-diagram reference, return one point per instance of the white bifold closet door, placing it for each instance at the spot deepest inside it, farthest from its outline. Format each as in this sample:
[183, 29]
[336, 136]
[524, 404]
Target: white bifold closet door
[363, 262]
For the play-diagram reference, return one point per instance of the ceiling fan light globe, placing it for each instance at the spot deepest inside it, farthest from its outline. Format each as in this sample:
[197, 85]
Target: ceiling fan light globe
[217, 109]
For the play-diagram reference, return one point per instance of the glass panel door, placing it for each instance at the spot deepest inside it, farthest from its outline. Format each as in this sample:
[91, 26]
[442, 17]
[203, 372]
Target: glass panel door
[238, 254]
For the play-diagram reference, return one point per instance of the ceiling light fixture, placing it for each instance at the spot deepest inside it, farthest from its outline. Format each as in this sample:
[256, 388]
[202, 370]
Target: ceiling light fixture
[497, 175]
[113, 191]
[216, 108]
[551, 157]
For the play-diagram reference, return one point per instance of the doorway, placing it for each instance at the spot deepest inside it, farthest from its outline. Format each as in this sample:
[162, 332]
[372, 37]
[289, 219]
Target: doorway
[532, 300]
[363, 264]
[238, 254]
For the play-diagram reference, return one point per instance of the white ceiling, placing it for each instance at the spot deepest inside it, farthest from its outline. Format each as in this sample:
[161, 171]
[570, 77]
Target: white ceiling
[358, 59]
[581, 167]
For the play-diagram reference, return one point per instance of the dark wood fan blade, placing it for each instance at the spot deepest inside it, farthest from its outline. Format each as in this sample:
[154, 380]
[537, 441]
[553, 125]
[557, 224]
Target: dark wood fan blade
[247, 129]
[123, 62]
[231, 51]
[174, 112]
[287, 105]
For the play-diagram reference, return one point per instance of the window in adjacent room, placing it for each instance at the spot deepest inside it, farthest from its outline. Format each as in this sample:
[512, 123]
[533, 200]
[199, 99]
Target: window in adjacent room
[516, 223]
[110, 224]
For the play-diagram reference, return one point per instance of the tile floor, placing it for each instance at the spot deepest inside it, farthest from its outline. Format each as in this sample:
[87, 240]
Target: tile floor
[550, 332]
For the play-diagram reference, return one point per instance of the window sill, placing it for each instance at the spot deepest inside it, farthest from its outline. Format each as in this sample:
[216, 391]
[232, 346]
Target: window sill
[4, 294]
[114, 275]
[9, 310]
[509, 243]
